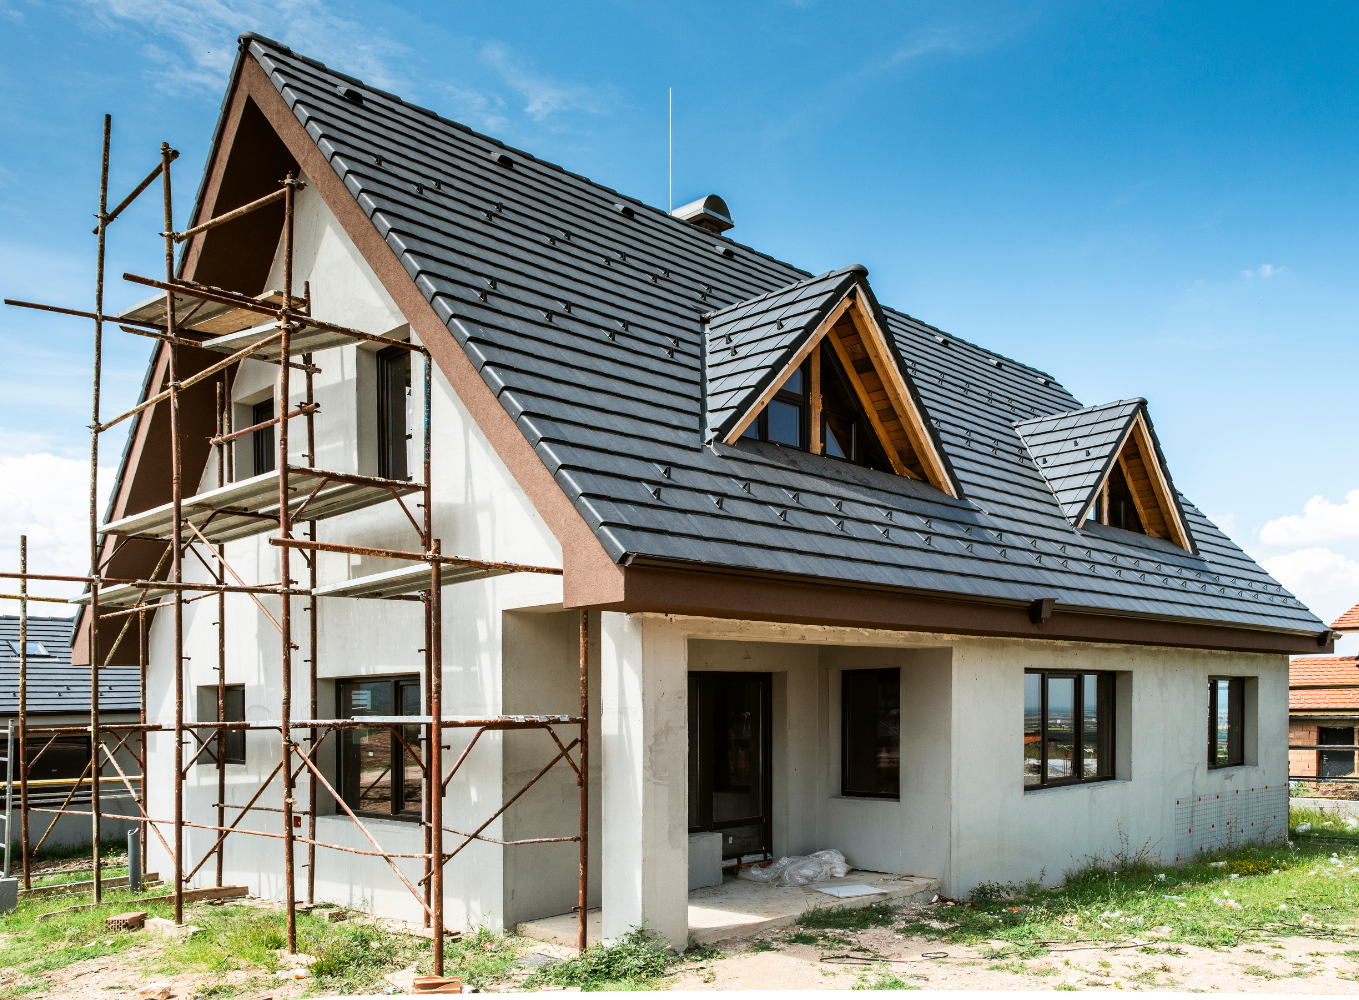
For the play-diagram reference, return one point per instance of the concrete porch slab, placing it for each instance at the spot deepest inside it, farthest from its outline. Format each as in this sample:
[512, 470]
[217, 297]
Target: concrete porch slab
[738, 908]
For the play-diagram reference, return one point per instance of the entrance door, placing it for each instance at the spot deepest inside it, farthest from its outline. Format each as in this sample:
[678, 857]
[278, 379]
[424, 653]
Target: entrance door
[729, 749]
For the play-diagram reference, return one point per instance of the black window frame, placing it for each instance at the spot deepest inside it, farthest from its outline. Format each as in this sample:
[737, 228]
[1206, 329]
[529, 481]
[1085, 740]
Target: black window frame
[394, 414]
[264, 450]
[347, 781]
[759, 427]
[1236, 723]
[233, 710]
[1106, 725]
[853, 784]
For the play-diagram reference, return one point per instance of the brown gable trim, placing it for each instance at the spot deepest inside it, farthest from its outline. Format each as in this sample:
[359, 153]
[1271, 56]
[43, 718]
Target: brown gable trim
[590, 575]
[671, 590]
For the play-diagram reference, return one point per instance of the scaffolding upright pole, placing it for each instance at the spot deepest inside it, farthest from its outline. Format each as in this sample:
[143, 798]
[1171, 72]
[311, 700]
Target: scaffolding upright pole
[96, 744]
[433, 781]
[221, 637]
[146, 740]
[23, 709]
[436, 767]
[311, 640]
[285, 577]
[583, 888]
[176, 529]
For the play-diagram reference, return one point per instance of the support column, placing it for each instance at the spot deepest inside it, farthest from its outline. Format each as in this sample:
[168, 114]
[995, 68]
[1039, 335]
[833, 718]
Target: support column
[645, 735]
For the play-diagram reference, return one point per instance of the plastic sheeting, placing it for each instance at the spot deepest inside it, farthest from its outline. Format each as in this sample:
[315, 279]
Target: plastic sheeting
[800, 870]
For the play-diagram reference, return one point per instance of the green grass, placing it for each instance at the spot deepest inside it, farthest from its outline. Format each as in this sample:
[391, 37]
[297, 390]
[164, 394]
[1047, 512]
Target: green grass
[1216, 902]
[883, 980]
[1325, 824]
[848, 918]
[637, 962]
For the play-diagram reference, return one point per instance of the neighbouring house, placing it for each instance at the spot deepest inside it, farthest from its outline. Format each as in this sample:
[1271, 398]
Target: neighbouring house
[852, 581]
[59, 759]
[1323, 711]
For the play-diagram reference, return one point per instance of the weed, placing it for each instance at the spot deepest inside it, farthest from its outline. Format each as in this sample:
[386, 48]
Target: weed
[801, 937]
[760, 944]
[1060, 986]
[989, 892]
[637, 960]
[849, 918]
[884, 980]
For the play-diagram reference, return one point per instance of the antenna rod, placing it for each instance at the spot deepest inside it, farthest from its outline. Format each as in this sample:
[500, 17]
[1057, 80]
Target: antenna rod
[672, 149]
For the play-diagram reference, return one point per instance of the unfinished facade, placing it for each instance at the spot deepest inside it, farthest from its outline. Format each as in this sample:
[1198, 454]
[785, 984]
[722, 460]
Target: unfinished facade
[801, 571]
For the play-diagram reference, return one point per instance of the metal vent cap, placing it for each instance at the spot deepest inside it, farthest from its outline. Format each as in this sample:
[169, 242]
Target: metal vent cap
[710, 213]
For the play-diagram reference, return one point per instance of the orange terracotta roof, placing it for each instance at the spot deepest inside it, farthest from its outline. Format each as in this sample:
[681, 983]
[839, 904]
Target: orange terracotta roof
[1348, 622]
[1323, 683]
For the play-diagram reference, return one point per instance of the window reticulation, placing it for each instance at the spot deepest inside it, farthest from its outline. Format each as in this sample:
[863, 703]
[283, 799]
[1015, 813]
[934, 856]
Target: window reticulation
[380, 772]
[262, 440]
[394, 414]
[1226, 717]
[870, 726]
[1068, 728]
[785, 419]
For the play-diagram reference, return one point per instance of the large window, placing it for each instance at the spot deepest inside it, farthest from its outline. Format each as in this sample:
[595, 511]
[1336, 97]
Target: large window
[870, 727]
[380, 768]
[394, 413]
[1226, 721]
[63, 758]
[1335, 763]
[262, 440]
[784, 420]
[1068, 727]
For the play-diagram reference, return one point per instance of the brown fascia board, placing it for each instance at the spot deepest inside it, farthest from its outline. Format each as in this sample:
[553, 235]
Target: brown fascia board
[704, 593]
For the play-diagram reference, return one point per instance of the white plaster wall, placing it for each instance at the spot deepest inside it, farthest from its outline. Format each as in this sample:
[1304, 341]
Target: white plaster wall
[479, 511]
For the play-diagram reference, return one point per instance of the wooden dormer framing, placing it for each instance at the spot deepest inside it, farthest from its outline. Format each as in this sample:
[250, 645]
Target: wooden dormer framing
[892, 410]
[1150, 486]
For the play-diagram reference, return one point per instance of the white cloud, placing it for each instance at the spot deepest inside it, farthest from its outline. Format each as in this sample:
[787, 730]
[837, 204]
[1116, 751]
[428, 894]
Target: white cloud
[46, 497]
[1325, 581]
[1321, 523]
[195, 40]
[1264, 271]
[547, 97]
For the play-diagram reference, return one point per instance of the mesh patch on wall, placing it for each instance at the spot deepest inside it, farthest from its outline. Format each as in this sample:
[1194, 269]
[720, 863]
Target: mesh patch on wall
[1220, 820]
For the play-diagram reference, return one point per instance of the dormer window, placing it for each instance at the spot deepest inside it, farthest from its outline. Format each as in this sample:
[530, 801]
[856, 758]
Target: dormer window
[785, 419]
[845, 430]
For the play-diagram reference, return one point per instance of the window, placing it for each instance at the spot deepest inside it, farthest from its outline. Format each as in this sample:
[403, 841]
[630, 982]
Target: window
[1068, 728]
[1335, 763]
[34, 648]
[784, 420]
[64, 759]
[380, 769]
[1226, 715]
[262, 440]
[394, 413]
[870, 728]
[1122, 510]
[233, 749]
[845, 430]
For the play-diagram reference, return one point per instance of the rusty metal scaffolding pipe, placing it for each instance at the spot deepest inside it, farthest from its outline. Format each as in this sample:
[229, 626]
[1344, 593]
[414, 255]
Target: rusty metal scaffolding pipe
[226, 217]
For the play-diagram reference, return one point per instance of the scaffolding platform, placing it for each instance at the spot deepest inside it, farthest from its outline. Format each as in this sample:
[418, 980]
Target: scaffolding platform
[250, 507]
[125, 595]
[204, 316]
[407, 580]
[304, 339]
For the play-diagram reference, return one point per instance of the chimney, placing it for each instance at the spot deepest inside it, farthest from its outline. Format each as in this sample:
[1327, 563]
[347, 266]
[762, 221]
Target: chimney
[710, 213]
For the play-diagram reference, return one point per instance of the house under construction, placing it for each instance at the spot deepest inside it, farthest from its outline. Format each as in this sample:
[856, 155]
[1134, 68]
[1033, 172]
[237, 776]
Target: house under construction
[495, 546]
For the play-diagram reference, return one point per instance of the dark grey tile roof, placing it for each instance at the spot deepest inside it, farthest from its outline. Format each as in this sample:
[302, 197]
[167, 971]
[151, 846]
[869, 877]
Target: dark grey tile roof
[1074, 450]
[751, 342]
[587, 324]
[54, 685]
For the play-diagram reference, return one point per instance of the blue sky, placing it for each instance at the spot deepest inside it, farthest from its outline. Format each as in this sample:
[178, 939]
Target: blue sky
[1159, 201]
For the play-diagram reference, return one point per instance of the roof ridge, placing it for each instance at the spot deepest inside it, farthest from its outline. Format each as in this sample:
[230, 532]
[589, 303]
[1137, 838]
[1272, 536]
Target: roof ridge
[250, 36]
[713, 314]
[1084, 409]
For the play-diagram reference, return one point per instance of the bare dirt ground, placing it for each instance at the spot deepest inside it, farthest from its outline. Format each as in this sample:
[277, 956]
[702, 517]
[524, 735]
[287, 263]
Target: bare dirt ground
[1298, 965]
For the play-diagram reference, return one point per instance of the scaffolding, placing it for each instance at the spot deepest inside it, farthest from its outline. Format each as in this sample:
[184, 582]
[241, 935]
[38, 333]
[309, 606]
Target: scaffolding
[275, 328]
